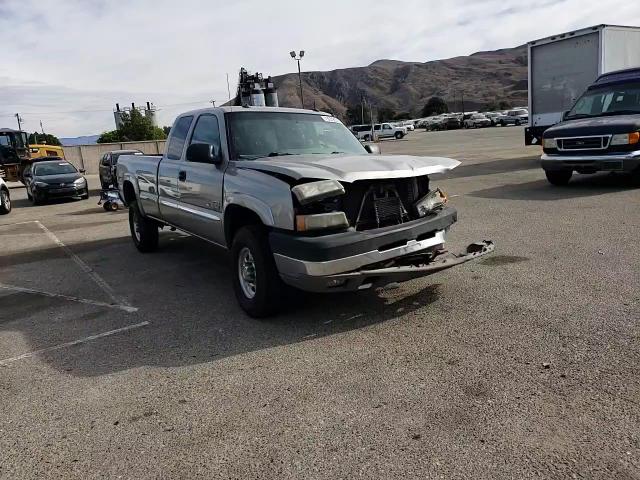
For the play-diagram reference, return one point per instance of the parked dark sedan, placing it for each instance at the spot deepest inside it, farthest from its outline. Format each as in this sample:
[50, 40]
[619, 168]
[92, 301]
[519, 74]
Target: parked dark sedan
[54, 179]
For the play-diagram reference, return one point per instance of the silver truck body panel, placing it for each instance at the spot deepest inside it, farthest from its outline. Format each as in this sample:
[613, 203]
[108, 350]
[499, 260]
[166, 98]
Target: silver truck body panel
[269, 197]
[350, 168]
[561, 67]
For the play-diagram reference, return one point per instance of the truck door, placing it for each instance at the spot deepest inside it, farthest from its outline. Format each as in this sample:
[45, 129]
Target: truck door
[200, 184]
[168, 171]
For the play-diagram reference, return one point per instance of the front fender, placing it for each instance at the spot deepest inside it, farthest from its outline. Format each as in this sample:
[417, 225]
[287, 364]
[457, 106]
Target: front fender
[267, 196]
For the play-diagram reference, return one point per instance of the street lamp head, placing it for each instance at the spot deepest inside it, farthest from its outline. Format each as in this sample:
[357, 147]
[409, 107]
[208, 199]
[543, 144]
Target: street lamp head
[293, 54]
[301, 53]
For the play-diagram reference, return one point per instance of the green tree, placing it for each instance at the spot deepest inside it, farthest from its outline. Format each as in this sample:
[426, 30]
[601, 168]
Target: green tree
[504, 105]
[39, 138]
[135, 128]
[386, 114]
[435, 106]
[166, 130]
[354, 115]
[403, 116]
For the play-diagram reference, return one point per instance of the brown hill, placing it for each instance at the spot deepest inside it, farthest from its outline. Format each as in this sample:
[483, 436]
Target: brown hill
[483, 78]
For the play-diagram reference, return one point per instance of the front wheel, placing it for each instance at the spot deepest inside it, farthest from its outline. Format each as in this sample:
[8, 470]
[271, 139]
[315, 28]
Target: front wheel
[399, 135]
[256, 281]
[558, 177]
[5, 201]
[144, 231]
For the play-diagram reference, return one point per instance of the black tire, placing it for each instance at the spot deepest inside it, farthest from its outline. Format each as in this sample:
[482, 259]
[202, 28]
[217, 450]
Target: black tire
[558, 177]
[85, 195]
[35, 200]
[144, 231]
[267, 285]
[399, 135]
[367, 138]
[517, 123]
[5, 201]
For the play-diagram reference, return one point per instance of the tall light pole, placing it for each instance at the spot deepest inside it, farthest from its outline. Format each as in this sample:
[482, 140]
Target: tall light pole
[298, 58]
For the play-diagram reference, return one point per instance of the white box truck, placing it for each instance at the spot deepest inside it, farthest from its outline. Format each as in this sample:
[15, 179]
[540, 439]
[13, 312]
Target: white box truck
[561, 68]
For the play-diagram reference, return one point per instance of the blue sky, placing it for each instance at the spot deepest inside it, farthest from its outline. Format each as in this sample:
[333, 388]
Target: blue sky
[68, 62]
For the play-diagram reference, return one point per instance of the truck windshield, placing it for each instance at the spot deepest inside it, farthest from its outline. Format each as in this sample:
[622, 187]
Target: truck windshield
[268, 134]
[608, 100]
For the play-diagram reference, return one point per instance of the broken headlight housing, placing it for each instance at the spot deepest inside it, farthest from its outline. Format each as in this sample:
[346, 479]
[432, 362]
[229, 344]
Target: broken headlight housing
[315, 191]
[432, 201]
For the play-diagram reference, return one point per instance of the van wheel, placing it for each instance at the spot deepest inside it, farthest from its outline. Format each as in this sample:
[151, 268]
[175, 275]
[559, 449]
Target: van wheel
[144, 231]
[5, 201]
[256, 281]
[558, 177]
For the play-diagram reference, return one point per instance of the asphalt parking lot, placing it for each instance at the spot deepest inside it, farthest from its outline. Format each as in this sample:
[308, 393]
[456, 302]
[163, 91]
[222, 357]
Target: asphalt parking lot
[524, 365]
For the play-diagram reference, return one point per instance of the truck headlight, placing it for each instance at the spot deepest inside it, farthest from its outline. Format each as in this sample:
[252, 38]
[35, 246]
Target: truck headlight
[79, 181]
[315, 191]
[549, 143]
[625, 139]
[321, 221]
[433, 200]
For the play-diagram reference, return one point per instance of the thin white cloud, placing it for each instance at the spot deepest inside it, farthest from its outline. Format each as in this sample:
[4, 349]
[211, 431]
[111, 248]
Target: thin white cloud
[78, 55]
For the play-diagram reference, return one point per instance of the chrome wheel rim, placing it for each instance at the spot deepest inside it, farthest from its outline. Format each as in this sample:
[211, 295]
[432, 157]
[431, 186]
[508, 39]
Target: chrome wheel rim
[6, 200]
[136, 226]
[247, 272]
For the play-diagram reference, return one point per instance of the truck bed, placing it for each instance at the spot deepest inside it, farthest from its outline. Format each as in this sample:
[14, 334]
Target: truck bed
[144, 168]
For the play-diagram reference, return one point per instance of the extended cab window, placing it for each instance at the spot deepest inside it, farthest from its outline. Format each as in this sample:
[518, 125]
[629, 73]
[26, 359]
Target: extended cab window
[178, 137]
[207, 131]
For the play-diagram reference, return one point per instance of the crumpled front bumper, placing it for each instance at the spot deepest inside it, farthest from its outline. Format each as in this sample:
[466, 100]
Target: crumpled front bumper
[414, 266]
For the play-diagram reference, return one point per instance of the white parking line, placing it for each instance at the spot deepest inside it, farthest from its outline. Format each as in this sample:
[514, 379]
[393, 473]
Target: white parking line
[84, 267]
[7, 361]
[13, 288]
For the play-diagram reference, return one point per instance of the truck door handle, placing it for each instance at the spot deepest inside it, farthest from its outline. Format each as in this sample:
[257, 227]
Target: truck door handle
[182, 176]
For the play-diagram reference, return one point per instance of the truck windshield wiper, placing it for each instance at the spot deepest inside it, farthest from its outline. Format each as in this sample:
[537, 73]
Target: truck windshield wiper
[620, 112]
[579, 115]
[278, 154]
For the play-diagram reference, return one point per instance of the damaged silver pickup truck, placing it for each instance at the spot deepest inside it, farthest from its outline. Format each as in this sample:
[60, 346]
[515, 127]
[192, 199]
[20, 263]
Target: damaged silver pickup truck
[296, 199]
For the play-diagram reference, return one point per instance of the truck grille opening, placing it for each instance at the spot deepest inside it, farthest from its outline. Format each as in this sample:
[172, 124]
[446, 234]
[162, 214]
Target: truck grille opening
[371, 204]
[583, 143]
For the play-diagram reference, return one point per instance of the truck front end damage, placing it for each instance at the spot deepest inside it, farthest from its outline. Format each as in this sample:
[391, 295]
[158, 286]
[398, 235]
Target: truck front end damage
[366, 233]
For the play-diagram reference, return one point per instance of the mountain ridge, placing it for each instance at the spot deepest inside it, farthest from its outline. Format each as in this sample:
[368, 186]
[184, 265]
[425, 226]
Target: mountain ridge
[481, 79]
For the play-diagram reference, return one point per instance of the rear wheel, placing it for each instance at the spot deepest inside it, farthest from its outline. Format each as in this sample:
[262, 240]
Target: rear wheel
[517, 123]
[144, 231]
[5, 201]
[256, 281]
[558, 177]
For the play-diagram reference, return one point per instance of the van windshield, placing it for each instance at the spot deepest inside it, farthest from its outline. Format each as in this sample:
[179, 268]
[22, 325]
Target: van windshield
[269, 134]
[608, 100]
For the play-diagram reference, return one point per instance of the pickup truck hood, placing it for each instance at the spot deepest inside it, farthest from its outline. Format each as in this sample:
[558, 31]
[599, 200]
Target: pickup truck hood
[350, 168]
[610, 124]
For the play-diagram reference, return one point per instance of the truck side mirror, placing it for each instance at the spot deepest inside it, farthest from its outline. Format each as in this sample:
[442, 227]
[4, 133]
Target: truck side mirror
[204, 153]
[372, 148]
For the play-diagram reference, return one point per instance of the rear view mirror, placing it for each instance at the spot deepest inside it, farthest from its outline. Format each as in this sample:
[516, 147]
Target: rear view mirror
[204, 153]
[565, 115]
[82, 170]
[372, 148]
